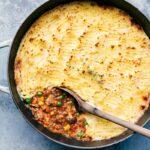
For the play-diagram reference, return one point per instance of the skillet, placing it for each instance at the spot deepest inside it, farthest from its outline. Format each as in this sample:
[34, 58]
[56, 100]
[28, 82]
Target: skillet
[139, 18]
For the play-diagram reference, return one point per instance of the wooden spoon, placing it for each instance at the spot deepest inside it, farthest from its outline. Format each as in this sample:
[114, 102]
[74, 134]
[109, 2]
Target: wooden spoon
[84, 106]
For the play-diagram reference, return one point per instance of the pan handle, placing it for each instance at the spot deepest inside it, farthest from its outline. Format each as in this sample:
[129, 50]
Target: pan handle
[5, 43]
[2, 45]
[4, 89]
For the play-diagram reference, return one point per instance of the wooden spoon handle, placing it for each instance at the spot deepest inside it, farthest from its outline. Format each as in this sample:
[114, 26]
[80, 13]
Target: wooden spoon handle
[116, 120]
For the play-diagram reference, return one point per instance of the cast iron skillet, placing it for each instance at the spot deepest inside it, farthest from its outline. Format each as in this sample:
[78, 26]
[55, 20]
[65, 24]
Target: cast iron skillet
[134, 12]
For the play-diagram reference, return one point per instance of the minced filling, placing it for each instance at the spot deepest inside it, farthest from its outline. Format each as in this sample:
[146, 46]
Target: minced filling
[55, 110]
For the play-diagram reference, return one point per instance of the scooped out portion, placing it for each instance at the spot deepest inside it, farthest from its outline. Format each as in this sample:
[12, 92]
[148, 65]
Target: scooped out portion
[55, 110]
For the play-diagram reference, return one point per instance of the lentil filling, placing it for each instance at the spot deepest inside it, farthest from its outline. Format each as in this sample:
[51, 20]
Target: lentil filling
[55, 110]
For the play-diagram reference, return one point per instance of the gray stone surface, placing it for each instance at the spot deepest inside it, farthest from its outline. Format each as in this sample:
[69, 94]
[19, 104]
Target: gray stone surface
[15, 132]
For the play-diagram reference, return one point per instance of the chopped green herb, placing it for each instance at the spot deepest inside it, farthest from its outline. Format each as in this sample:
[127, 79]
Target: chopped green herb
[71, 102]
[68, 66]
[39, 94]
[90, 71]
[80, 134]
[59, 104]
[94, 74]
[101, 75]
[99, 82]
[61, 97]
[85, 123]
[28, 100]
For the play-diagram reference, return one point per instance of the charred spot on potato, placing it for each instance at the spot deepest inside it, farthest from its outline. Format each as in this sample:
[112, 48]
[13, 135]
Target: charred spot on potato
[130, 76]
[136, 24]
[112, 46]
[83, 71]
[97, 44]
[142, 107]
[18, 64]
[31, 39]
[123, 13]
[145, 98]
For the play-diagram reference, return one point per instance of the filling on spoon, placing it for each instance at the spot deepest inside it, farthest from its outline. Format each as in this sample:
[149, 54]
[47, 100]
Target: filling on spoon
[55, 110]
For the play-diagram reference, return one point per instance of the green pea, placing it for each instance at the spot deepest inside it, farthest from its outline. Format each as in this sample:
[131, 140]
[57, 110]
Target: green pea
[85, 123]
[28, 100]
[59, 104]
[61, 97]
[39, 94]
[80, 134]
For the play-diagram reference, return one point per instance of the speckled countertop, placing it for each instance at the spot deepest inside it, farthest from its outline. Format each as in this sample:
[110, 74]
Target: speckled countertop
[15, 132]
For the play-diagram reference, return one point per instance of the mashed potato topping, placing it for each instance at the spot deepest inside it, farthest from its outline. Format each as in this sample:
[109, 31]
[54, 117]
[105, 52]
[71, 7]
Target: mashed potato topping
[96, 51]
